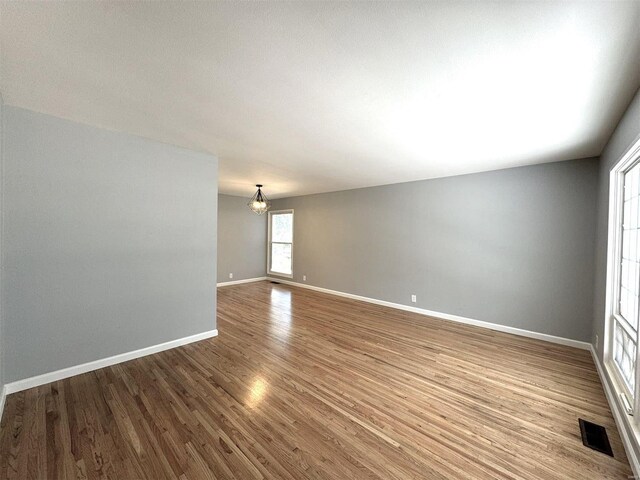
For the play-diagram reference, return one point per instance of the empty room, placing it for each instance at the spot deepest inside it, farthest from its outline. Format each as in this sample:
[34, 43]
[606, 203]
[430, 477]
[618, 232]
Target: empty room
[320, 240]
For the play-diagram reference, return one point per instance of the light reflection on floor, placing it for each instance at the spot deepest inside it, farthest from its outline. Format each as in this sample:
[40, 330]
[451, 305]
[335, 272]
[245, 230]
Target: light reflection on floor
[257, 392]
[280, 313]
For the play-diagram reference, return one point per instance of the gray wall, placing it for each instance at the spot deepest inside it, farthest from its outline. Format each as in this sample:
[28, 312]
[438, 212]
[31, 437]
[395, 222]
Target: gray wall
[109, 243]
[513, 247]
[1, 248]
[242, 240]
[625, 134]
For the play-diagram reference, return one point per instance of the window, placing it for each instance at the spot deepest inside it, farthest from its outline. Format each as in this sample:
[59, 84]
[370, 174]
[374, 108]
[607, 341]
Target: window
[623, 278]
[280, 254]
[625, 319]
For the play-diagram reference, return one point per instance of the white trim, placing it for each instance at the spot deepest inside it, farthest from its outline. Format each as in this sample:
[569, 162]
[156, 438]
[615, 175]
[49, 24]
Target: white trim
[446, 316]
[3, 397]
[619, 415]
[238, 282]
[31, 382]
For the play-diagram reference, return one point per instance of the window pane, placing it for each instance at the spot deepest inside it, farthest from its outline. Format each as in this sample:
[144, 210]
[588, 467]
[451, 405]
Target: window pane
[281, 258]
[624, 354]
[282, 227]
[630, 261]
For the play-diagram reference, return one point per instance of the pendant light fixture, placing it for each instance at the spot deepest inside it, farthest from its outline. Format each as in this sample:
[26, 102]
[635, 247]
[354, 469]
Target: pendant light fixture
[259, 203]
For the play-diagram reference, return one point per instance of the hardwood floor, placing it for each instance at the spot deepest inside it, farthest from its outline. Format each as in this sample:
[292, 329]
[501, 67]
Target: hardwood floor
[301, 384]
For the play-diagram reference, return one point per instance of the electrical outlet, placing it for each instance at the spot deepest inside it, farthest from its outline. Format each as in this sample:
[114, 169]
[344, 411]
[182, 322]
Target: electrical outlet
[231, 275]
[304, 278]
[413, 299]
[597, 343]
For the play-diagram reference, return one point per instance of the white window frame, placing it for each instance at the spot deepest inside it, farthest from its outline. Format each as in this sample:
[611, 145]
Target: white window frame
[616, 199]
[269, 242]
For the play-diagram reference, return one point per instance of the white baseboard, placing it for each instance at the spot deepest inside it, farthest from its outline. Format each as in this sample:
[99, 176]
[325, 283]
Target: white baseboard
[446, 316]
[238, 282]
[3, 397]
[31, 382]
[619, 415]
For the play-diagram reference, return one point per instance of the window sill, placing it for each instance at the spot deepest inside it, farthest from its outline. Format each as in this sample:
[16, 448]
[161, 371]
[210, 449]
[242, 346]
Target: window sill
[276, 274]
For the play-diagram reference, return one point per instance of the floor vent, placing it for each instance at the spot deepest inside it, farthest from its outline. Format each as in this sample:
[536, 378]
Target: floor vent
[277, 283]
[595, 437]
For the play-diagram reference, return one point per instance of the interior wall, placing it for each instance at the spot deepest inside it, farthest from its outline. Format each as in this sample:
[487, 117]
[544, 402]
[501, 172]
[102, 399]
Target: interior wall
[513, 247]
[109, 243]
[242, 240]
[626, 134]
[1, 250]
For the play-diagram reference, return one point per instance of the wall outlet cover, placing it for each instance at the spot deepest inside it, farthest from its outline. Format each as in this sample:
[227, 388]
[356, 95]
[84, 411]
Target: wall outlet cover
[231, 275]
[413, 298]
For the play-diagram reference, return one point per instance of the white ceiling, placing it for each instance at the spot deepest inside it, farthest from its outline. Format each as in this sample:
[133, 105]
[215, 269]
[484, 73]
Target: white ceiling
[310, 97]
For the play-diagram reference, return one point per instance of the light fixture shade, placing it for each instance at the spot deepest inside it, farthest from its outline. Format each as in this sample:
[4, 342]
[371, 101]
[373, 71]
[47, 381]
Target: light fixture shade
[259, 203]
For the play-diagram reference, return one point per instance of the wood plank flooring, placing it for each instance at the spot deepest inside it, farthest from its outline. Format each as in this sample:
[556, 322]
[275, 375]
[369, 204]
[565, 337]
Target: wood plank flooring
[302, 385]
